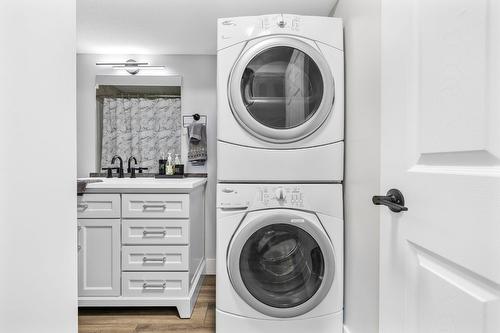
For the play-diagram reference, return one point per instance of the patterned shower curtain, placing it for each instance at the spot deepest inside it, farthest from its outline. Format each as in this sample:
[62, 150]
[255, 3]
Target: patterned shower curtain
[145, 128]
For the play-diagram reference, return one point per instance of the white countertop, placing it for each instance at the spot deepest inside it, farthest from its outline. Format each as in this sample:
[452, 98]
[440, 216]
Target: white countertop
[144, 185]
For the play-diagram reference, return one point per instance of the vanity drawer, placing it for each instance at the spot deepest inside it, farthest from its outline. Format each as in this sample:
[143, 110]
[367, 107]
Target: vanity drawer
[98, 206]
[155, 232]
[155, 205]
[155, 258]
[155, 284]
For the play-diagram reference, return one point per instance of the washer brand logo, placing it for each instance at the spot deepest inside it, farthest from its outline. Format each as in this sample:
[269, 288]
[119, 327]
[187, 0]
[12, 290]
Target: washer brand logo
[297, 220]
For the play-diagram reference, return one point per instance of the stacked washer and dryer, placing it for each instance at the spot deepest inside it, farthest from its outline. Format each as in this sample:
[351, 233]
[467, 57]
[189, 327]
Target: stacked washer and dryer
[280, 134]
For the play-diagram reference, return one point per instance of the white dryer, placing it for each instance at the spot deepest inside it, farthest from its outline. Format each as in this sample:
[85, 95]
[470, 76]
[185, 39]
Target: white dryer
[280, 99]
[279, 258]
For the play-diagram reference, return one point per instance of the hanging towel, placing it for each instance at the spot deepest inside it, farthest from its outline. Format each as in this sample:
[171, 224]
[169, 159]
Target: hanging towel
[197, 134]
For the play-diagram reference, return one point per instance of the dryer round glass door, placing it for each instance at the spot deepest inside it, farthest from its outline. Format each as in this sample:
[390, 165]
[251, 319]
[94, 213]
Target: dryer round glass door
[281, 89]
[281, 263]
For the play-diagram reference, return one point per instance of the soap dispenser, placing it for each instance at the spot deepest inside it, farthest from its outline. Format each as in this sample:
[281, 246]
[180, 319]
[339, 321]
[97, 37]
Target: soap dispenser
[170, 166]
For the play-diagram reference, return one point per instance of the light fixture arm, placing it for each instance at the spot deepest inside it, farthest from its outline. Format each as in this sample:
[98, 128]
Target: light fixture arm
[131, 66]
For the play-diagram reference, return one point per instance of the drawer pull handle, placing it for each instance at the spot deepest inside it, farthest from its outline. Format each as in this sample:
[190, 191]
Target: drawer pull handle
[83, 206]
[162, 233]
[154, 285]
[146, 259]
[160, 206]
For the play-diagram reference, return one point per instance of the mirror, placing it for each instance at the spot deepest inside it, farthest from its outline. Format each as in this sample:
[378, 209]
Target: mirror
[137, 119]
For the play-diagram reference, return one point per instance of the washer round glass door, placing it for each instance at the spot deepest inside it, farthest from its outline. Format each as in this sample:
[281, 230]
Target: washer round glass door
[281, 263]
[281, 89]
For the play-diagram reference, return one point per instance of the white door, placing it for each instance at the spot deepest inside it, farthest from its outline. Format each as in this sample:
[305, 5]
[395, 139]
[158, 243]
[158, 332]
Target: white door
[99, 257]
[440, 260]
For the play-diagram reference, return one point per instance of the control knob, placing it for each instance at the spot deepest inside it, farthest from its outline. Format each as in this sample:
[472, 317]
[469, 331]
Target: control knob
[280, 194]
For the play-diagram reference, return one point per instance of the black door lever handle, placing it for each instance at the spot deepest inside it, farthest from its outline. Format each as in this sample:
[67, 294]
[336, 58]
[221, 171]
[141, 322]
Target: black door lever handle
[394, 200]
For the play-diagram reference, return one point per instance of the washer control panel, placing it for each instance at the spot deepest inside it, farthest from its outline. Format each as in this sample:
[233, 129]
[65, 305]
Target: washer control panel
[259, 196]
[277, 195]
[237, 198]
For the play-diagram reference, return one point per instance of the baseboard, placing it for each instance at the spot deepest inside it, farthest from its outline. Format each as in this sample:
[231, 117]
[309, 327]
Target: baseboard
[210, 266]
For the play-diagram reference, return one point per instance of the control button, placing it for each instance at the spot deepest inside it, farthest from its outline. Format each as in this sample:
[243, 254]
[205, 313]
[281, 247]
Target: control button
[295, 23]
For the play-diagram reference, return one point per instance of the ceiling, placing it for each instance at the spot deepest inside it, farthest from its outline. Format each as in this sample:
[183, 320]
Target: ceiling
[170, 26]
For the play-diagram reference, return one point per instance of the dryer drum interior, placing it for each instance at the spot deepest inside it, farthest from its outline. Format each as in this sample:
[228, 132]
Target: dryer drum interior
[281, 89]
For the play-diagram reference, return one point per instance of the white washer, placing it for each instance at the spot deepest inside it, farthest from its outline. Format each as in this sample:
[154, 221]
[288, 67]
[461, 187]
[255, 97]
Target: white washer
[280, 99]
[279, 258]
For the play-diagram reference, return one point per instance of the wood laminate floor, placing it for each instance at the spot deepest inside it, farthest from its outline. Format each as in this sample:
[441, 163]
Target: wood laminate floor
[152, 320]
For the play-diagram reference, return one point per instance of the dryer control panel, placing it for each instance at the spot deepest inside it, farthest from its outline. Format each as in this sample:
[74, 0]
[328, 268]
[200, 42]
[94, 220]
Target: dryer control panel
[283, 22]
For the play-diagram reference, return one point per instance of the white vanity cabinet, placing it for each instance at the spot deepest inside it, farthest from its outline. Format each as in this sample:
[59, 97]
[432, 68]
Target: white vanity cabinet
[146, 248]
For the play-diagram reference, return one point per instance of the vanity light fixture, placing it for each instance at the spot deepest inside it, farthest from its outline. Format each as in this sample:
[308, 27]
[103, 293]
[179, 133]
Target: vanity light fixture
[131, 66]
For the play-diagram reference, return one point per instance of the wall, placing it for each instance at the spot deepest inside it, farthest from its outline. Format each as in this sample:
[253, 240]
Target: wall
[362, 165]
[198, 96]
[38, 255]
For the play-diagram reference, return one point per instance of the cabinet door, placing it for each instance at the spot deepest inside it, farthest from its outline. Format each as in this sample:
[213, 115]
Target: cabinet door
[99, 257]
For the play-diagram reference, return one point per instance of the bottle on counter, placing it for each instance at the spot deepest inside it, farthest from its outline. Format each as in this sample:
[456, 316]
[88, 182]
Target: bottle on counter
[170, 165]
[162, 165]
[178, 166]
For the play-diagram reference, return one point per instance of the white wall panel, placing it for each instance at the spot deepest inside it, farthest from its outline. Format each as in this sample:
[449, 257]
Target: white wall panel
[38, 276]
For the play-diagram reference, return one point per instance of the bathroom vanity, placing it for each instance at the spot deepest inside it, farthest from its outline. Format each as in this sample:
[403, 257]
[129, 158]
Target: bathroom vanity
[141, 243]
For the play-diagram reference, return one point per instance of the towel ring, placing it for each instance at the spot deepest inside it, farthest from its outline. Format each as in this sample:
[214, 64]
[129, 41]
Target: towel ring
[196, 117]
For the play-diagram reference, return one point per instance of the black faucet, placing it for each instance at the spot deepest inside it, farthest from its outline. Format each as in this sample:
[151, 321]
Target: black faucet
[129, 169]
[120, 170]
